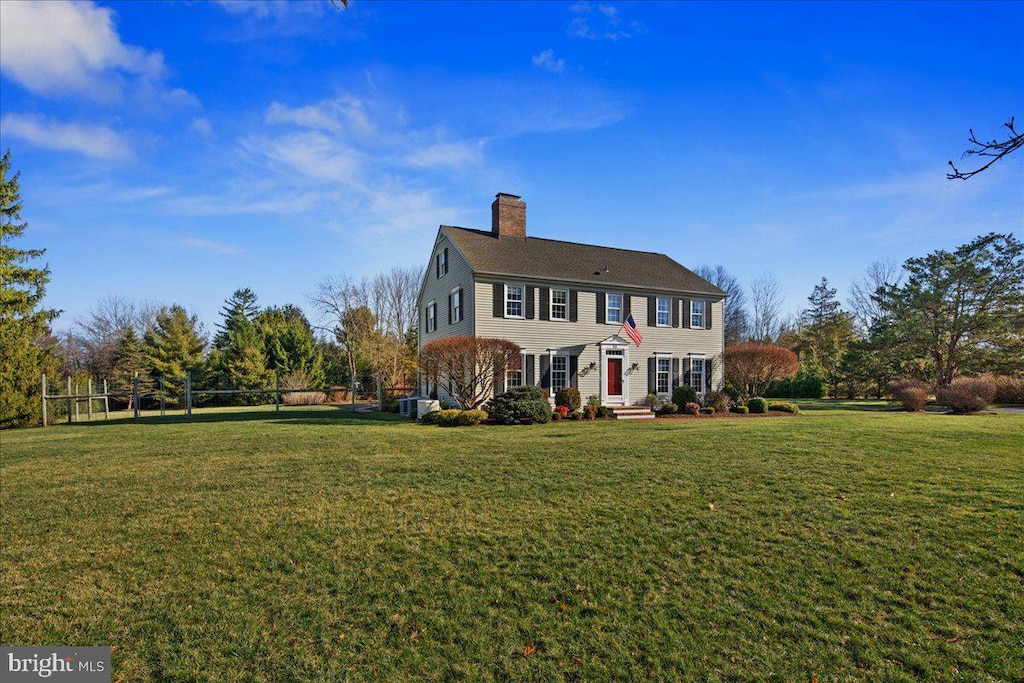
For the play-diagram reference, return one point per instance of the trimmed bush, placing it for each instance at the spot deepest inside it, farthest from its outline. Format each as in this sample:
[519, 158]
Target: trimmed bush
[719, 400]
[784, 407]
[692, 408]
[912, 394]
[590, 411]
[431, 418]
[519, 406]
[555, 416]
[967, 394]
[602, 411]
[470, 418]
[1008, 389]
[682, 395]
[742, 410]
[708, 410]
[568, 397]
[576, 416]
[562, 410]
[448, 418]
[668, 408]
[757, 405]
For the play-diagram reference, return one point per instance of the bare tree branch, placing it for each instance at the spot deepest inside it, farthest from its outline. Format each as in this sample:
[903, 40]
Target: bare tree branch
[993, 150]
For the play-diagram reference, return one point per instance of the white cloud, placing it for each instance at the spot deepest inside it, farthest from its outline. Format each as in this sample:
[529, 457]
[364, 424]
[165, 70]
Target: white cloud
[446, 155]
[608, 26]
[344, 113]
[547, 60]
[98, 142]
[207, 245]
[203, 127]
[56, 47]
[271, 9]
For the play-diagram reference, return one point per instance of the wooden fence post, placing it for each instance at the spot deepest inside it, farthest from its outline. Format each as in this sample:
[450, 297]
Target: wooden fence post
[188, 394]
[135, 394]
[106, 402]
[44, 399]
[90, 399]
[70, 414]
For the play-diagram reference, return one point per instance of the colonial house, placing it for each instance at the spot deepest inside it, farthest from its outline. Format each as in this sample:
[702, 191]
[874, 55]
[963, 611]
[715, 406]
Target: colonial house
[568, 306]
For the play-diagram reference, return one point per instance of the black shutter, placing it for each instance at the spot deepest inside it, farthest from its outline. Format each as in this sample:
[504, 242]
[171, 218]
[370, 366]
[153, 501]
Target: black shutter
[574, 364]
[687, 363]
[528, 376]
[462, 306]
[675, 373]
[652, 311]
[437, 264]
[707, 374]
[626, 306]
[449, 309]
[675, 312]
[686, 312]
[572, 306]
[545, 372]
[545, 303]
[445, 261]
[652, 376]
[529, 303]
[707, 314]
[499, 300]
[600, 308]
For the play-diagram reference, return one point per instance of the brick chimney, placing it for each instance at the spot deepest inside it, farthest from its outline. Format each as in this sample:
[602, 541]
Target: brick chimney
[508, 216]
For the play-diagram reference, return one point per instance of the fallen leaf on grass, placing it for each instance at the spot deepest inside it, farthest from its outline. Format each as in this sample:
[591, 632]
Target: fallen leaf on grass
[841, 496]
[577, 661]
[529, 650]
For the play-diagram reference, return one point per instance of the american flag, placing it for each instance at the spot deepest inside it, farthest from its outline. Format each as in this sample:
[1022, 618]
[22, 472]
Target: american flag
[631, 330]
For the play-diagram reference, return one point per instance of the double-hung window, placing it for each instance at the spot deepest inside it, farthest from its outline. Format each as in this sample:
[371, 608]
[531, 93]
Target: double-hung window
[513, 301]
[456, 305]
[559, 373]
[442, 262]
[664, 372]
[559, 304]
[697, 369]
[613, 308]
[697, 313]
[664, 311]
[431, 317]
[514, 378]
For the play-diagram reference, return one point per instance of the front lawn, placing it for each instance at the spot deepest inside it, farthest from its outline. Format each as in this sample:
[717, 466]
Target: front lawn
[318, 546]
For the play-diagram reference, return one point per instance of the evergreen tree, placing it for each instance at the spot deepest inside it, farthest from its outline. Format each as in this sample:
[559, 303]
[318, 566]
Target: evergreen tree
[240, 308]
[243, 362]
[174, 347]
[826, 332]
[127, 359]
[23, 326]
[289, 344]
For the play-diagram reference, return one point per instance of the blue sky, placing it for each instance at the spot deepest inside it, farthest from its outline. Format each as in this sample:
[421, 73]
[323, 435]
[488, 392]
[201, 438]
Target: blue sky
[175, 152]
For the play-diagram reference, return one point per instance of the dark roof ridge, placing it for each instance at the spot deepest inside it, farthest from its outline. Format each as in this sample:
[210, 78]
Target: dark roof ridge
[488, 233]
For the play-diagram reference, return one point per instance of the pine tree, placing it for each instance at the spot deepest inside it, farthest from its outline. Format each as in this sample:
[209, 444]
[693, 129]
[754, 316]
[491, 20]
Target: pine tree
[174, 347]
[23, 326]
[240, 308]
[290, 345]
[827, 331]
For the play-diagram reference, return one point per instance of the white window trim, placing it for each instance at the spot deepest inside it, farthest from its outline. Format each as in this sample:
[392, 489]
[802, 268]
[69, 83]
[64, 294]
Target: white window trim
[703, 313]
[658, 358]
[551, 304]
[458, 313]
[668, 312]
[620, 308]
[522, 301]
[703, 372]
[551, 369]
[521, 372]
[431, 308]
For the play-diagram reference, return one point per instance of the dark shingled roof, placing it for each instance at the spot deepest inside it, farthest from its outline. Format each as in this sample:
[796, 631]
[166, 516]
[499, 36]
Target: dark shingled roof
[534, 257]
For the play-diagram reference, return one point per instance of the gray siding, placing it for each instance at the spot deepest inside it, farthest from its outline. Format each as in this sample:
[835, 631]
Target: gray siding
[538, 336]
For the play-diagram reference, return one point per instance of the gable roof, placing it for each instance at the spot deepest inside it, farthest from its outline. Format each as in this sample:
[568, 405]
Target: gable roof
[544, 259]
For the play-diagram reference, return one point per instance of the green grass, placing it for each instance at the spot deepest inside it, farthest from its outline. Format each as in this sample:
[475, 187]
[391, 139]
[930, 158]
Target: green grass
[323, 545]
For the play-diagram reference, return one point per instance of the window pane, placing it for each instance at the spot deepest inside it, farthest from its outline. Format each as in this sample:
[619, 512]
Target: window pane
[663, 312]
[514, 300]
[559, 373]
[559, 304]
[613, 311]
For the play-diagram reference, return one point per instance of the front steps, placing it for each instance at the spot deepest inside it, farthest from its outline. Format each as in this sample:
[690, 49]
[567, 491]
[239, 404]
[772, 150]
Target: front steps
[630, 413]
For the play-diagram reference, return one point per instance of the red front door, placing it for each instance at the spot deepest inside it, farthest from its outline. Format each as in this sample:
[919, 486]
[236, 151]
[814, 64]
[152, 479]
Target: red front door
[614, 377]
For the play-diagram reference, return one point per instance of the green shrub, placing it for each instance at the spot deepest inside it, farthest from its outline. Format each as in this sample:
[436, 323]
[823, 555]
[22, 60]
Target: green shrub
[448, 418]
[519, 405]
[692, 408]
[668, 408]
[684, 394]
[471, 418]
[602, 411]
[445, 405]
[967, 394]
[568, 397]
[911, 393]
[719, 400]
[431, 418]
[784, 407]
[742, 410]
[708, 410]
[590, 411]
[757, 405]
[652, 401]
[556, 416]
[594, 400]
[576, 415]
